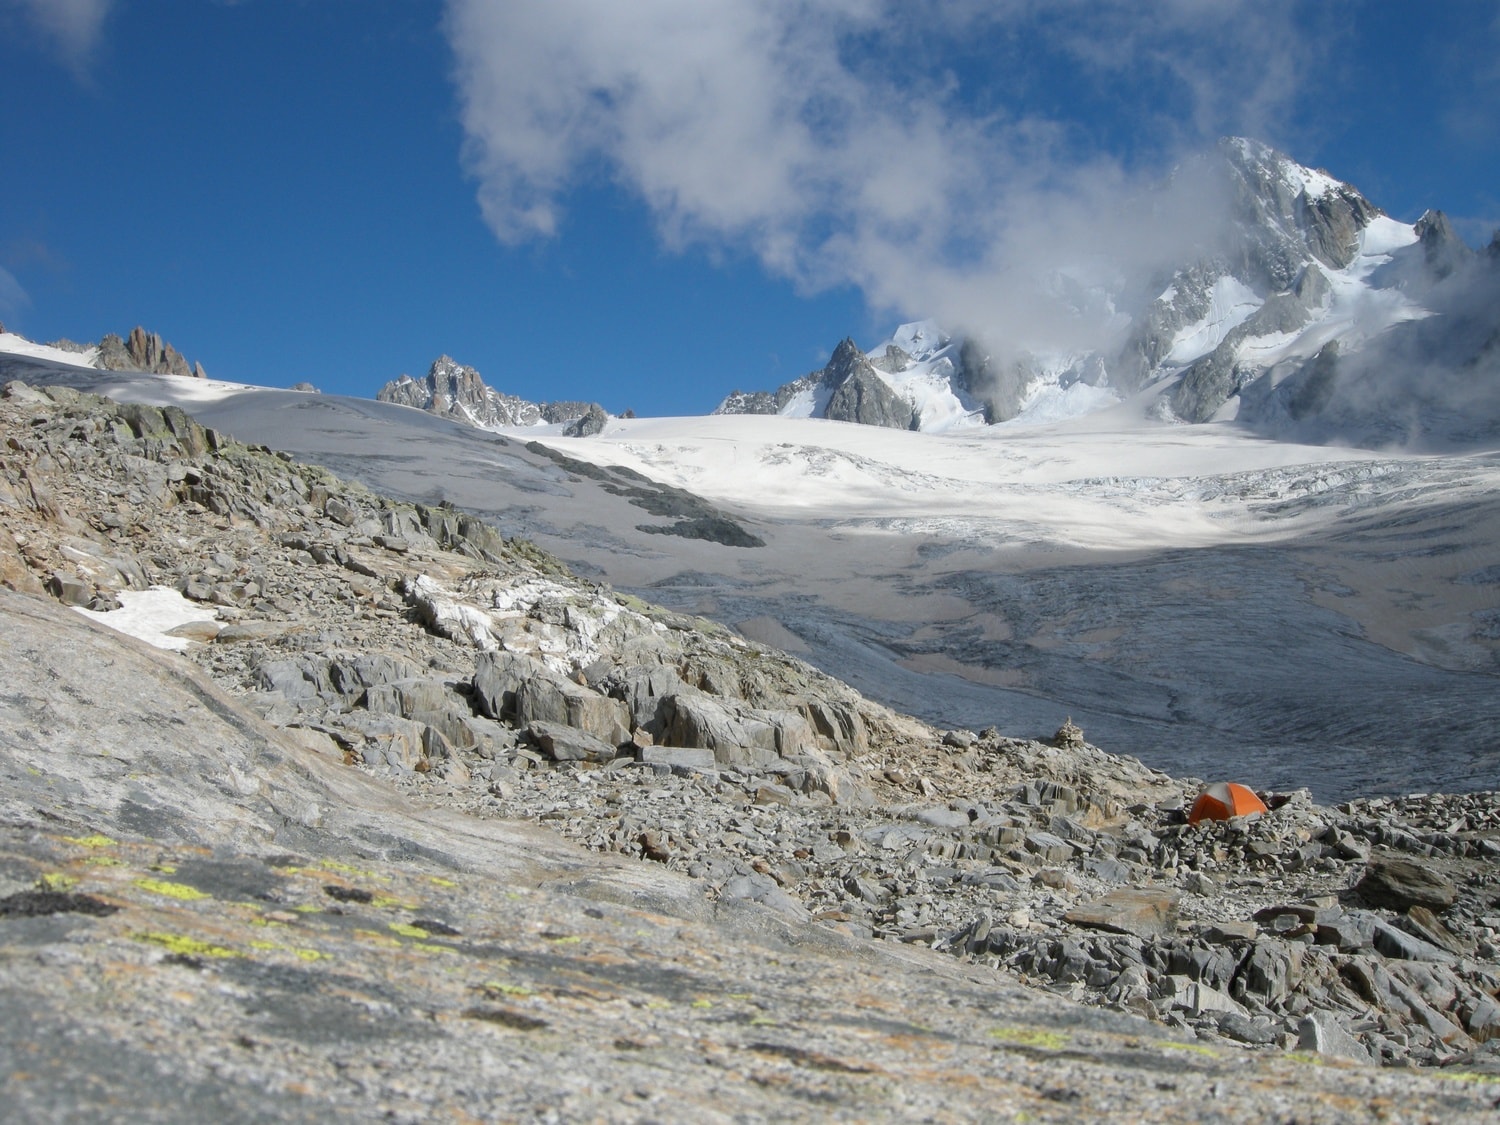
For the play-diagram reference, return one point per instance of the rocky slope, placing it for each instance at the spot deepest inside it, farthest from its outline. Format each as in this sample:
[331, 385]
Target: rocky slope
[428, 685]
[453, 390]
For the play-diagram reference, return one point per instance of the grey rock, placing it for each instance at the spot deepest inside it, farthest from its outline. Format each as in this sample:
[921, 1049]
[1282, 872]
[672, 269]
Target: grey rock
[763, 890]
[1397, 943]
[1350, 931]
[943, 818]
[681, 759]
[563, 743]
[692, 719]
[497, 676]
[287, 678]
[592, 422]
[1400, 883]
[407, 697]
[1257, 1031]
[69, 589]
[1483, 1019]
[453, 390]
[1049, 848]
[1268, 973]
[1144, 912]
[549, 698]
[1323, 1033]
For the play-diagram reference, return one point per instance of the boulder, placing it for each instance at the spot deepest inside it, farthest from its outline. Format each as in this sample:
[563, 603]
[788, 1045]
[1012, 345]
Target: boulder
[69, 589]
[1322, 1033]
[690, 718]
[838, 723]
[1400, 884]
[407, 697]
[681, 759]
[545, 697]
[497, 676]
[1145, 912]
[563, 743]
[353, 676]
[1400, 945]
[1269, 973]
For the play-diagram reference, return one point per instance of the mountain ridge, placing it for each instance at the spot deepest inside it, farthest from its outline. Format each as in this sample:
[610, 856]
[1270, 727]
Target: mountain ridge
[454, 390]
[1304, 260]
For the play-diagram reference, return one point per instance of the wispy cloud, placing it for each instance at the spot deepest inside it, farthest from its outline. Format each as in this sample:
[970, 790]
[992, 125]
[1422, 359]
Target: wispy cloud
[13, 298]
[918, 152]
[73, 27]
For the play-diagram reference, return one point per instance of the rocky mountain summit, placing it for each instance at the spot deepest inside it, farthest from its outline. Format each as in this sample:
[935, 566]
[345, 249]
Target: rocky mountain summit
[140, 351]
[1292, 316]
[289, 871]
[453, 390]
[144, 351]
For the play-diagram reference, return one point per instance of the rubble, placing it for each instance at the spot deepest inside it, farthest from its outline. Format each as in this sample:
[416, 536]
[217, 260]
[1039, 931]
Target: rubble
[476, 674]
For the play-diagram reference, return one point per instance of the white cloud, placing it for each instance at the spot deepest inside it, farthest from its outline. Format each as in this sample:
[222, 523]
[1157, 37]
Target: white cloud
[844, 141]
[13, 298]
[73, 26]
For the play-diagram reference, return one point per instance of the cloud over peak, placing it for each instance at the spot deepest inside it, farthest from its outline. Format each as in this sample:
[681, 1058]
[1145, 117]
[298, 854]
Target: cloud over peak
[917, 152]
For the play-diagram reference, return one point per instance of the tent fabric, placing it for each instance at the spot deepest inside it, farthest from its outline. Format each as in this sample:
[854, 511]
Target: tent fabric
[1223, 800]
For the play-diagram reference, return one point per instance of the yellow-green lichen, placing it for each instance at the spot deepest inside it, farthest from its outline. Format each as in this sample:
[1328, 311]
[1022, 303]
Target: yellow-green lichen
[180, 891]
[183, 945]
[94, 841]
[1196, 1048]
[56, 882]
[406, 929]
[346, 869]
[1030, 1037]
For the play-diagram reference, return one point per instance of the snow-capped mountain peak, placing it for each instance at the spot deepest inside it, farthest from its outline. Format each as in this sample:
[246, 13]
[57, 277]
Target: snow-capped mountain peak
[1304, 279]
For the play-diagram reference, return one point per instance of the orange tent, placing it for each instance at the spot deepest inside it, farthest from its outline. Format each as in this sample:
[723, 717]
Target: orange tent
[1223, 800]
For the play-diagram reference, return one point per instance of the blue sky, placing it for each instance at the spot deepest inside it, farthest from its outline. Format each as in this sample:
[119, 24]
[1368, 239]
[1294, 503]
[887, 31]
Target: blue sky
[651, 204]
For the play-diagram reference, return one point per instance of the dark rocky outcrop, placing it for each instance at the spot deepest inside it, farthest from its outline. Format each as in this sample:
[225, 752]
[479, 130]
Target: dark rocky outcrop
[454, 390]
[851, 386]
[591, 422]
[144, 351]
[1208, 384]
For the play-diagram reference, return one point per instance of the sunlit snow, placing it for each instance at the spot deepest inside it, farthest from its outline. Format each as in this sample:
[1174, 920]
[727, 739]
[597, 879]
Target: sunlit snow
[148, 615]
